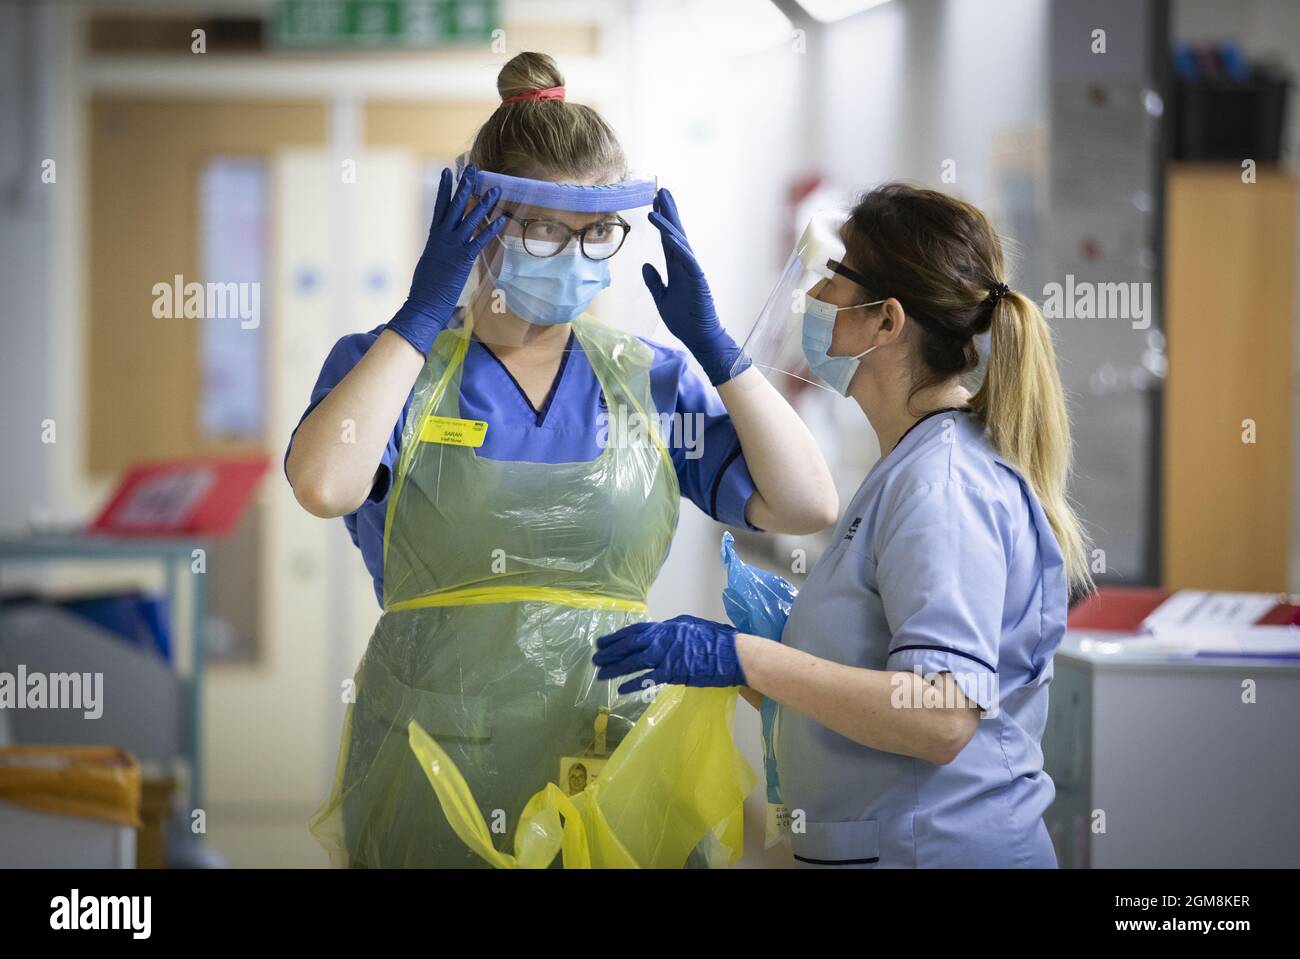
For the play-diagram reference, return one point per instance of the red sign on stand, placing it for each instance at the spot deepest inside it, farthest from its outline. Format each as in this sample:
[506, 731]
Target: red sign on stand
[202, 496]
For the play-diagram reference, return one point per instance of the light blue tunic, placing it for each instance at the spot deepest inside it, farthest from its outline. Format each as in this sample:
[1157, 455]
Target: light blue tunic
[944, 560]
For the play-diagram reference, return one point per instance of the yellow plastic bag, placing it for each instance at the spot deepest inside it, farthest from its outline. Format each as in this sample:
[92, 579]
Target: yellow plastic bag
[675, 781]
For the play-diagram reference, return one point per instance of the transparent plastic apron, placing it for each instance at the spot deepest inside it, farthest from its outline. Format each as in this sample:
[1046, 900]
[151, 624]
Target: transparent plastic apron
[498, 578]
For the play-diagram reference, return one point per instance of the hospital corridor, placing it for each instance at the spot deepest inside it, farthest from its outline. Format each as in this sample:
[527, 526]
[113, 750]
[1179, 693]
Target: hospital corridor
[774, 436]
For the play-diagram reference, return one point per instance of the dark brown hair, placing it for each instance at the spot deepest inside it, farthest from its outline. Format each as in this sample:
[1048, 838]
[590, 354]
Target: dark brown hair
[941, 259]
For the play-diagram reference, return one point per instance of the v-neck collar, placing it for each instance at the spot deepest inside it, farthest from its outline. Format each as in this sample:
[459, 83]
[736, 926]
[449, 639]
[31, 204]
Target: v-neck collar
[539, 415]
[910, 430]
[946, 409]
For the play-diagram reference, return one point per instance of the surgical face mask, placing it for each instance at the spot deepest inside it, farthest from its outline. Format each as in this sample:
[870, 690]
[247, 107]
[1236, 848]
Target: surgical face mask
[818, 331]
[549, 290]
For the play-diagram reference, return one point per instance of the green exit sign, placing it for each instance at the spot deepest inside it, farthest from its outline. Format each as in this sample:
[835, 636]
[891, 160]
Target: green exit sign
[368, 24]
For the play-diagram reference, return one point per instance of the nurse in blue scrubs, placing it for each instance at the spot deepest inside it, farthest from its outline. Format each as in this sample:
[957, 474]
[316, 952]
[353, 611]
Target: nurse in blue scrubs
[912, 674]
[511, 470]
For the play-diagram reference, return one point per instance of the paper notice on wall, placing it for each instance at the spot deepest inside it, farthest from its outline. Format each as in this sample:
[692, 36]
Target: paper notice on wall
[234, 236]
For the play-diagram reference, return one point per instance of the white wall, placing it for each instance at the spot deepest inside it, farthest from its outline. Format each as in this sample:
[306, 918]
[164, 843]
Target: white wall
[912, 84]
[25, 236]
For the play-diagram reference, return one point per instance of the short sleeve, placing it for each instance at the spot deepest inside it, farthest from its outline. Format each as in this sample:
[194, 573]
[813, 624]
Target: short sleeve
[941, 569]
[347, 352]
[705, 449]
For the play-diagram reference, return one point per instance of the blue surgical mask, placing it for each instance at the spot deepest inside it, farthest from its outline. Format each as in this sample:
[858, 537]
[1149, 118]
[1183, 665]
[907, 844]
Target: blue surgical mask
[818, 330]
[549, 290]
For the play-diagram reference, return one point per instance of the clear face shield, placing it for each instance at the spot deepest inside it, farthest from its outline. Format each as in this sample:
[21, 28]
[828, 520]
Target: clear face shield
[776, 344]
[560, 256]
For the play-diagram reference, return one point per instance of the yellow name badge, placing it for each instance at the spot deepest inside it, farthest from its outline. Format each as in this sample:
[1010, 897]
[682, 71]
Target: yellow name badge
[453, 432]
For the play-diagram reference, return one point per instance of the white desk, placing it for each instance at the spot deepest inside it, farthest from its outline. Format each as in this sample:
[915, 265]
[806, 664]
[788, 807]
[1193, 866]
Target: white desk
[1186, 773]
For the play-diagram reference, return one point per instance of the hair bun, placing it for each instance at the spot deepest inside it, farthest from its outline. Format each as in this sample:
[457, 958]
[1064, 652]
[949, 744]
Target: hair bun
[526, 73]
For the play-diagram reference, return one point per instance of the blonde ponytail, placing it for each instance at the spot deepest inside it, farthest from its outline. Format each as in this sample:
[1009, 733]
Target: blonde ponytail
[1022, 405]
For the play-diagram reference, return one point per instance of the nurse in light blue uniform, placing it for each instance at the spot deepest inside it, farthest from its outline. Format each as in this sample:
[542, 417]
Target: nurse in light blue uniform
[942, 563]
[913, 671]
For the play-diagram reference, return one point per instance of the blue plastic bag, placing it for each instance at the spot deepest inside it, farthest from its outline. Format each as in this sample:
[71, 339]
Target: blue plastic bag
[758, 602]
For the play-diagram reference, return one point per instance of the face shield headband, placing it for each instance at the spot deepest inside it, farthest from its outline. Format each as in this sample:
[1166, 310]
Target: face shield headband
[570, 197]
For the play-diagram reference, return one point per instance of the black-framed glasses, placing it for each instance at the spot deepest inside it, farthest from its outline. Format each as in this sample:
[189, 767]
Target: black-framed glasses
[854, 276]
[849, 274]
[597, 241]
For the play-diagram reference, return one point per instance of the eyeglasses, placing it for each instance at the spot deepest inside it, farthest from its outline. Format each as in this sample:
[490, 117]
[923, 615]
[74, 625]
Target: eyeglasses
[849, 274]
[546, 238]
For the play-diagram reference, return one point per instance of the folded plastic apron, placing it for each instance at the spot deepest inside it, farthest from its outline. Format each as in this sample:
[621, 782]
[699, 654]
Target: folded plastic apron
[498, 579]
[672, 794]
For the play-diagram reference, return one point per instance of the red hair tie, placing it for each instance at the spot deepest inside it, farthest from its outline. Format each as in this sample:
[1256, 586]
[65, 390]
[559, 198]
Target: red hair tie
[528, 96]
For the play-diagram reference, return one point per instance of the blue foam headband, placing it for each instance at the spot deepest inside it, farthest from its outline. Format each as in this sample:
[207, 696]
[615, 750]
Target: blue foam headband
[574, 197]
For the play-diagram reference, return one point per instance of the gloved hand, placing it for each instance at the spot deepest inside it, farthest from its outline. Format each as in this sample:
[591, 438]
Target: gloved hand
[684, 650]
[685, 303]
[449, 253]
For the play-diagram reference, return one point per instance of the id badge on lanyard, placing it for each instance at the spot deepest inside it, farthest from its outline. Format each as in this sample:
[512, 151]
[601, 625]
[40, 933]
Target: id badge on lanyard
[577, 772]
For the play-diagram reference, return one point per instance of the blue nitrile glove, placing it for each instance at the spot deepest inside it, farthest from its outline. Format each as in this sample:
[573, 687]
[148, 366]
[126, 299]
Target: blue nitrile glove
[759, 603]
[448, 256]
[756, 601]
[685, 303]
[684, 650]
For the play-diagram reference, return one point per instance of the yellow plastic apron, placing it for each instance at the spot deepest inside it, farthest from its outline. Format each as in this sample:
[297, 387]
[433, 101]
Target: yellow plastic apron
[498, 579]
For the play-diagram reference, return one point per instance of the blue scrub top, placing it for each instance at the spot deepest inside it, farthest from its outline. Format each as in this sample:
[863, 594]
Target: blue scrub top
[712, 472]
[944, 560]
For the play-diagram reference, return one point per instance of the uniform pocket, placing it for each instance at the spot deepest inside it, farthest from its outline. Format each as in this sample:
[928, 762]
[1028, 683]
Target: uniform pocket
[845, 845]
